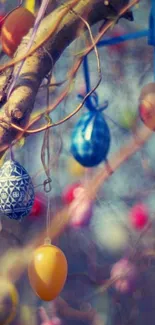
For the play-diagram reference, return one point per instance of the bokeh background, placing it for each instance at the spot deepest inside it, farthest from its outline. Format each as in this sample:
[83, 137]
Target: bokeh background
[94, 249]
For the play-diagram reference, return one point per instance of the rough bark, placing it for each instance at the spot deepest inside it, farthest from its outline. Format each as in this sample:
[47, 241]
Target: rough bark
[21, 102]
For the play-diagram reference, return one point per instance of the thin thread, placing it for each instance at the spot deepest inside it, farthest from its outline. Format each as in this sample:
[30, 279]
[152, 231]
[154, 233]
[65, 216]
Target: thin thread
[86, 51]
[46, 146]
[38, 20]
[89, 102]
[11, 153]
[86, 74]
[35, 28]
[108, 25]
[48, 216]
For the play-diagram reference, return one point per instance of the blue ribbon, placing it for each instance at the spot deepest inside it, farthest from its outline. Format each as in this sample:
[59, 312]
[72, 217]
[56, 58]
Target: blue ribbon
[91, 106]
[123, 38]
[92, 101]
[151, 35]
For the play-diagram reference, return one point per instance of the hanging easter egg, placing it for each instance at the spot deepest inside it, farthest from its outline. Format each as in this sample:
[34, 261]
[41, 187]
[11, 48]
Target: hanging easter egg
[69, 193]
[47, 271]
[80, 209]
[15, 27]
[90, 139]
[8, 301]
[16, 191]
[39, 206]
[127, 275]
[139, 216]
[147, 105]
[81, 206]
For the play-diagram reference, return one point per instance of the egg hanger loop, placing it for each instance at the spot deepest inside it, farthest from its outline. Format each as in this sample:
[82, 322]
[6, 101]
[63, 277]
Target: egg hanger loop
[92, 102]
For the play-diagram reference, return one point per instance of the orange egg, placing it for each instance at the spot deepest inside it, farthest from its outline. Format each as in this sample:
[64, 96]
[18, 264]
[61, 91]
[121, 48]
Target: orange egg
[15, 27]
[47, 272]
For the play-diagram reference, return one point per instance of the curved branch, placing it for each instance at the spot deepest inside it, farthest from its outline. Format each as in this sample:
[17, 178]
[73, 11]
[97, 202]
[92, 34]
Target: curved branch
[18, 108]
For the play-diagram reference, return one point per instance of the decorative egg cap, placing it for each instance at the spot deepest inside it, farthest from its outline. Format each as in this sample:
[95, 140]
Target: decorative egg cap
[92, 102]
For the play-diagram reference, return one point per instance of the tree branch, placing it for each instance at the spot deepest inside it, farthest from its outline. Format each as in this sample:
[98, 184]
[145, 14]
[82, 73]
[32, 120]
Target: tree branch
[20, 104]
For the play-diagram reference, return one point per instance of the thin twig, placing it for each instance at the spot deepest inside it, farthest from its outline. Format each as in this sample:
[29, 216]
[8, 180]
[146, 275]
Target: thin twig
[53, 29]
[76, 67]
[25, 130]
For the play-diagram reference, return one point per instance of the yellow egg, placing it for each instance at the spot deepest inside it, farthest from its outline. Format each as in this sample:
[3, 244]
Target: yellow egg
[74, 168]
[47, 271]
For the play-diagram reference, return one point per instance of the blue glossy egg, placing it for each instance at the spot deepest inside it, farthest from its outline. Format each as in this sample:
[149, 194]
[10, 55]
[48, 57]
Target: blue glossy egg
[90, 139]
[16, 191]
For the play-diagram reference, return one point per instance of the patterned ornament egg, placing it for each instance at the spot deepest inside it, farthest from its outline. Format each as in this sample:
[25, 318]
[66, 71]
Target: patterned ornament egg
[90, 139]
[16, 191]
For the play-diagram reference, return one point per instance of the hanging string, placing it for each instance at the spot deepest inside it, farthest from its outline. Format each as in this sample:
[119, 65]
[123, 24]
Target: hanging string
[20, 2]
[34, 31]
[11, 153]
[46, 147]
[92, 102]
[38, 20]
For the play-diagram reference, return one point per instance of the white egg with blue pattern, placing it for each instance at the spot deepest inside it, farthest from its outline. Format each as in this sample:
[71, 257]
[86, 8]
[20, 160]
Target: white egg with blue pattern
[16, 191]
